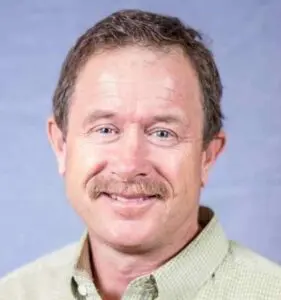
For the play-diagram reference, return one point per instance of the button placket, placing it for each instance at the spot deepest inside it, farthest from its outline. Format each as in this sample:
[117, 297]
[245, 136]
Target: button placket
[142, 289]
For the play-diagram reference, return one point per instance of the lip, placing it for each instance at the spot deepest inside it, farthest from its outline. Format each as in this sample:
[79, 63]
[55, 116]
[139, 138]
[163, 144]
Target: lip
[130, 205]
[129, 198]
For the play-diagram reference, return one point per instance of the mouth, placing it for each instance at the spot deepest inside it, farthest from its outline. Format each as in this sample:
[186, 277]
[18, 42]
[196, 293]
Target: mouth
[129, 206]
[131, 198]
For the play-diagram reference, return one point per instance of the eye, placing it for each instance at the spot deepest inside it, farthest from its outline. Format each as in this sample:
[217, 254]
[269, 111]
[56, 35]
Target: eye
[163, 137]
[104, 133]
[162, 134]
[106, 130]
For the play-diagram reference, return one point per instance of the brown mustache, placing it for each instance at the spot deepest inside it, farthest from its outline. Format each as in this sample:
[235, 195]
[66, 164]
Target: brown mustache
[142, 186]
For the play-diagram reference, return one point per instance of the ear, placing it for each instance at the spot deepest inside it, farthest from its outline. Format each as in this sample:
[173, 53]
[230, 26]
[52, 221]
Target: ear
[57, 142]
[210, 155]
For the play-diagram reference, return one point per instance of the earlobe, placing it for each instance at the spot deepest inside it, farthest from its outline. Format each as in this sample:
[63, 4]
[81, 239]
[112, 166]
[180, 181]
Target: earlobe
[210, 155]
[57, 142]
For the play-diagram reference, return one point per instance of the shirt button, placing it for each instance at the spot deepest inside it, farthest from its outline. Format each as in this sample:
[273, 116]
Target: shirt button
[82, 290]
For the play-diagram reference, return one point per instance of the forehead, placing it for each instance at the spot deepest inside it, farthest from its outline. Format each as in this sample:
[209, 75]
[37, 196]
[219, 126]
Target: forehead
[135, 75]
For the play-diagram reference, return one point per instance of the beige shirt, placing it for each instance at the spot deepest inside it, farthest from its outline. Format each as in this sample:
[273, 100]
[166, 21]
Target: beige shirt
[210, 267]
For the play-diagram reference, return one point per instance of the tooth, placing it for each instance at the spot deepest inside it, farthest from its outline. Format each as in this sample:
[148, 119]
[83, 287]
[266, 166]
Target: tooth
[119, 198]
[123, 199]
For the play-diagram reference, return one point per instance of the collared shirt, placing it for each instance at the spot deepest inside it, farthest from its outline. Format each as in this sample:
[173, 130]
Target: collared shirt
[210, 267]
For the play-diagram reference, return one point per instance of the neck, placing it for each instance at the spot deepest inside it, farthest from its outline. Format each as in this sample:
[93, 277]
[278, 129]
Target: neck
[113, 269]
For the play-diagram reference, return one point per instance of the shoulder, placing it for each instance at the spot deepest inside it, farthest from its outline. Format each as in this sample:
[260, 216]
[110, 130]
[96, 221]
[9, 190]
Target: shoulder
[251, 262]
[247, 273]
[47, 274]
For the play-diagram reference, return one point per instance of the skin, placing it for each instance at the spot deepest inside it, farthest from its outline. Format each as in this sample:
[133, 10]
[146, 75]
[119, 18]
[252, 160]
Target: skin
[135, 128]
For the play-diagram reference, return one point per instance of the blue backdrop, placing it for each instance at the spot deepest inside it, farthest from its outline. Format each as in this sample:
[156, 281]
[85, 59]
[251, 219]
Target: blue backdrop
[245, 186]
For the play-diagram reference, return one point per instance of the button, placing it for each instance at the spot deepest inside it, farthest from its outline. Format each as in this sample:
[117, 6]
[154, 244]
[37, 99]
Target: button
[82, 290]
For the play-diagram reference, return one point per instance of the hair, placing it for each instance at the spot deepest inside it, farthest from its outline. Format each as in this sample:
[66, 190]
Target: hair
[136, 27]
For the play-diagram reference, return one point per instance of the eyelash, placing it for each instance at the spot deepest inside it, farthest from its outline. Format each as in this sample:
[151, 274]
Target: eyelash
[99, 128]
[171, 133]
[170, 139]
[105, 127]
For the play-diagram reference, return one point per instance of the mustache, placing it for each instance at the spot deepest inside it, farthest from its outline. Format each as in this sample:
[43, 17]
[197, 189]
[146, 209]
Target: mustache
[141, 186]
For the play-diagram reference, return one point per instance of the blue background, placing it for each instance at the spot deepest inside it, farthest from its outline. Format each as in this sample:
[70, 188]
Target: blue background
[245, 185]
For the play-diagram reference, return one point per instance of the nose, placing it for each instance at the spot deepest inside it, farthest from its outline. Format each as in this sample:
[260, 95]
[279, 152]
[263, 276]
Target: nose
[131, 159]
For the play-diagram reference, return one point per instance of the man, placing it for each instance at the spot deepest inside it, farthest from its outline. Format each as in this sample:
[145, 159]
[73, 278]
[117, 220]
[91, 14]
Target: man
[136, 127]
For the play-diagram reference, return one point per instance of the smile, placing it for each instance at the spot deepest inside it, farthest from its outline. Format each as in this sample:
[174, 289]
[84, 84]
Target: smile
[129, 206]
[131, 198]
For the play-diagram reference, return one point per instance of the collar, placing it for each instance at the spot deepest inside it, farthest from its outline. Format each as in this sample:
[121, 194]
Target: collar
[184, 274]
[187, 272]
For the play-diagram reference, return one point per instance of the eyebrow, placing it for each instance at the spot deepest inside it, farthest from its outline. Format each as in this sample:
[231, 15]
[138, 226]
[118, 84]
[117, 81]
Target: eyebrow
[105, 114]
[96, 115]
[167, 118]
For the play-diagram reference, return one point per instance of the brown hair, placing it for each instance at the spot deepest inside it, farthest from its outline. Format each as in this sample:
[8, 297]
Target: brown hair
[136, 27]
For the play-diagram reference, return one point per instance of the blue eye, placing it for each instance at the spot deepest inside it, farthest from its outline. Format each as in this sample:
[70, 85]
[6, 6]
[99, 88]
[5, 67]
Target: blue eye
[106, 130]
[105, 133]
[163, 137]
[163, 134]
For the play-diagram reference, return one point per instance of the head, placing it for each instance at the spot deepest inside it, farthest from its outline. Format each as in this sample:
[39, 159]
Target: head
[136, 127]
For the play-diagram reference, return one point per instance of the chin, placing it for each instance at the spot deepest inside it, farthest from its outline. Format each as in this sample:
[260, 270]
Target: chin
[131, 239]
[131, 248]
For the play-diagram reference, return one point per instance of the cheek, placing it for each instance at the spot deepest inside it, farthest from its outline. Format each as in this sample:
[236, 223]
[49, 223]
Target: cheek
[182, 169]
[82, 160]
[82, 156]
[179, 164]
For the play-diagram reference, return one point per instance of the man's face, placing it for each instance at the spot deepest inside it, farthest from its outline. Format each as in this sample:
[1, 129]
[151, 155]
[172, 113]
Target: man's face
[133, 160]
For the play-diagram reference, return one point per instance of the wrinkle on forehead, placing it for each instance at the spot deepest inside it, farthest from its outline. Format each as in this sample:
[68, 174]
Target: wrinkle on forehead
[119, 77]
[169, 68]
[108, 78]
[108, 88]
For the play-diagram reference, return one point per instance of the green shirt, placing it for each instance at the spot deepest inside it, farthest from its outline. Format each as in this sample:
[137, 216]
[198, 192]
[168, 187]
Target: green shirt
[210, 267]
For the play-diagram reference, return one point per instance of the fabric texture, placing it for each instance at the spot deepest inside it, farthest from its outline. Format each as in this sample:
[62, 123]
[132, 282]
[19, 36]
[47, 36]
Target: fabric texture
[210, 267]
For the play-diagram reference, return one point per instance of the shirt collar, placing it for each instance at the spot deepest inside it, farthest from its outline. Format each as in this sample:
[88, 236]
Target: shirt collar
[197, 262]
[182, 275]
[82, 281]
[83, 262]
